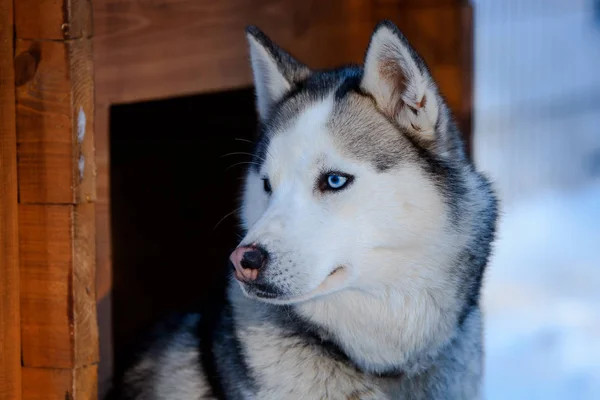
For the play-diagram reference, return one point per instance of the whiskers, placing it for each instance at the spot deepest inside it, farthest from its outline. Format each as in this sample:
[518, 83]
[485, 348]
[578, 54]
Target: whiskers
[242, 163]
[237, 153]
[252, 161]
[242, 153]
[243, 140]
[255, 159]
[226, 216]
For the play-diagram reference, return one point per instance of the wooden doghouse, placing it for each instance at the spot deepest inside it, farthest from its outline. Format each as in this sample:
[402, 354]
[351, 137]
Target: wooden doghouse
[113, 118]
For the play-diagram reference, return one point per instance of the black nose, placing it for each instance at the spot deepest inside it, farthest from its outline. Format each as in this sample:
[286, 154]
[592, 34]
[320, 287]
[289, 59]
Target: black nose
[254, 258]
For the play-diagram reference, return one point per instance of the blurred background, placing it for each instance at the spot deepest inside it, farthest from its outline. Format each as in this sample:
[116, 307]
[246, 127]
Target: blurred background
[537, 134]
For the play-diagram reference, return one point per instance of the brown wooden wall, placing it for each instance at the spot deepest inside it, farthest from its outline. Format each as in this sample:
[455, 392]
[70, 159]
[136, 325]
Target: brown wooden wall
[10, 346]
[48, 320]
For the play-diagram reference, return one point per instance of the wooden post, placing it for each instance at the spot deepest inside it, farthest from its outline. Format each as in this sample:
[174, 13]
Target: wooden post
[56, 168]
[10, 346]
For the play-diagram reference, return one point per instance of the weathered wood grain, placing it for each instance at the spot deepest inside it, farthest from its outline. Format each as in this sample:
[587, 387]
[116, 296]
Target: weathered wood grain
[53, 19]
[86, 346]
[161, 48]
[46, 273]
[10, 346]
[56, 167]
[47, 384]
[54, 121]
[58, 322]
[60, 384]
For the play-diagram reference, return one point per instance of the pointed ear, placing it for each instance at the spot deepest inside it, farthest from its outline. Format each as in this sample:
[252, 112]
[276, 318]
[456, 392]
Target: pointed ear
[396, 76]
[275, 71]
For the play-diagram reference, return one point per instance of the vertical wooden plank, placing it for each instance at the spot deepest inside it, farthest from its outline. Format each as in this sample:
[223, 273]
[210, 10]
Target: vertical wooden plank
[53, 19]
[47, 384]
[10, 346]
[83, 288]
[46, 283]
[58, 322]
[59, 384]
[56, 167]
[85, 383]
[54, 114]
[103, 249]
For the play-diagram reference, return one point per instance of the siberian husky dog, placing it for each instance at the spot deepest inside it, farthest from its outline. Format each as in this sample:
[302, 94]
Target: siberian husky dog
[367, 233]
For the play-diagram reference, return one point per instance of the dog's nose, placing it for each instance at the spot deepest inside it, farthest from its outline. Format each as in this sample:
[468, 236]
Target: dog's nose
[247, 261]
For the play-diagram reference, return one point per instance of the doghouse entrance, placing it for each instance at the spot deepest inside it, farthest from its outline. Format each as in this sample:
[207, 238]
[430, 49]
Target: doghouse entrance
[174, 183]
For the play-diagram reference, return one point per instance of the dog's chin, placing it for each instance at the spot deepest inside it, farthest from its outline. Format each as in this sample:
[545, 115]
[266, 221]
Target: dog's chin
[337, 280]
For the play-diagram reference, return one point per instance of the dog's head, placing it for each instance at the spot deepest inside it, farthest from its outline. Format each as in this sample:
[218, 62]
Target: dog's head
[351, 186]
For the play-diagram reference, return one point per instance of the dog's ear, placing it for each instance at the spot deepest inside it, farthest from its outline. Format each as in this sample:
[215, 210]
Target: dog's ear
[275, 71]
[397, 77]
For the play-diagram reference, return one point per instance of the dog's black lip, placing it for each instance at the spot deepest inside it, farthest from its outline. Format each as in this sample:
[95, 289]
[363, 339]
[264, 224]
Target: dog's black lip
[264, 295]
[263, 290]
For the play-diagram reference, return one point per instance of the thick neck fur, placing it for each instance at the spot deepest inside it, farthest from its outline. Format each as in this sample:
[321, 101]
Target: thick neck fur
[383, 333]
[371, 333]
[380, 334]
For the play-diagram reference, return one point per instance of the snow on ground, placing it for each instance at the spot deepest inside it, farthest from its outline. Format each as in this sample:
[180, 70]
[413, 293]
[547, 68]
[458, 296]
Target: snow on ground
[542, 299]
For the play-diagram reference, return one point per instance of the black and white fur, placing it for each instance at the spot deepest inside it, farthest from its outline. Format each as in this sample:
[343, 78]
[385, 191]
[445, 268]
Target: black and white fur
[371, 292]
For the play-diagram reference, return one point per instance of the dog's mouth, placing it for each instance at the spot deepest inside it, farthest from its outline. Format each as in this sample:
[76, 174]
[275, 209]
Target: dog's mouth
[270, 294]
[263, 291]
[264, 295]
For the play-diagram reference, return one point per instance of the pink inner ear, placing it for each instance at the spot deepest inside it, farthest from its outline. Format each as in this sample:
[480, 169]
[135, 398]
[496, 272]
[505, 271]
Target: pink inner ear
[421, 103]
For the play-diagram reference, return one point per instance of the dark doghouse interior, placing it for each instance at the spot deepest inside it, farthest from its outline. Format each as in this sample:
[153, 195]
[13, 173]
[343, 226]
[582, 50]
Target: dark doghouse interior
[172, 182]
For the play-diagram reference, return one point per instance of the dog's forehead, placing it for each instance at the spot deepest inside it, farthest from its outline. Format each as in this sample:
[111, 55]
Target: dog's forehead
[306, 136]
[331, 118]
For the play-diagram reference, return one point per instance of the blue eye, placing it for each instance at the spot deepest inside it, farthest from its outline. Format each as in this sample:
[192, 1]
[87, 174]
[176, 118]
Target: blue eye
[336, 181]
